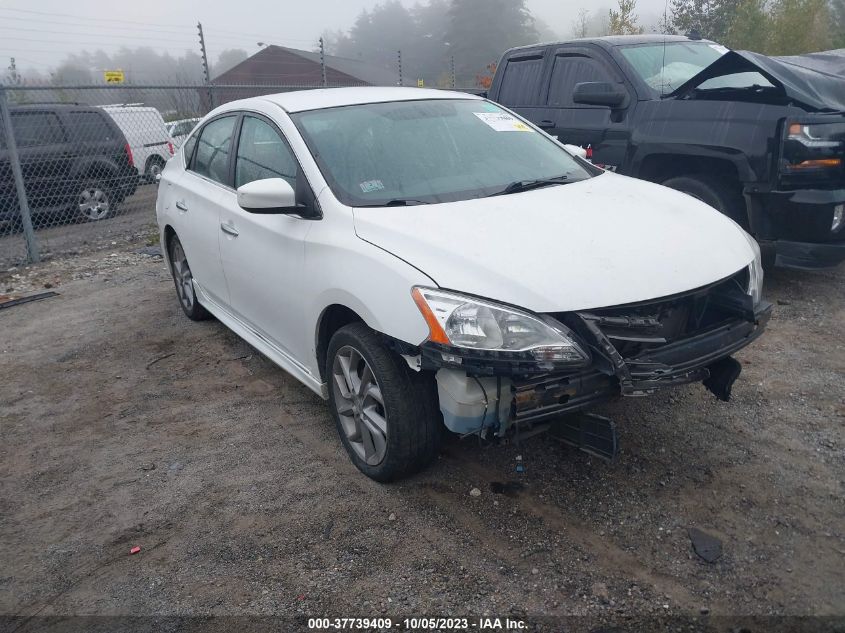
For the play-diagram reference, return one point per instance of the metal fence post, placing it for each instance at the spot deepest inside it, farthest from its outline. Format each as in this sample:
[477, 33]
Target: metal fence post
[14, 159]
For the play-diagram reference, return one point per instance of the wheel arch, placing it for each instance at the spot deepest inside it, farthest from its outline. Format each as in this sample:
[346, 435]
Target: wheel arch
[332, 318]
[660, 167]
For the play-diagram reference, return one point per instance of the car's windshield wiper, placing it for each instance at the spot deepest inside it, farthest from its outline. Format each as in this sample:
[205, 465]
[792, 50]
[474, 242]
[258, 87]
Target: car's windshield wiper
[526, 185]
[396, 202]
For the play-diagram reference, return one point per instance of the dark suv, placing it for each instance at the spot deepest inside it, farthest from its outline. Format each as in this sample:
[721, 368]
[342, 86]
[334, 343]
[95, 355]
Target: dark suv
[761, 139]
[74, 159]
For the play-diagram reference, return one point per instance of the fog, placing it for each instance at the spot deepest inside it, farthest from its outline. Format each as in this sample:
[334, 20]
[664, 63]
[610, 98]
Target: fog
[41, 34]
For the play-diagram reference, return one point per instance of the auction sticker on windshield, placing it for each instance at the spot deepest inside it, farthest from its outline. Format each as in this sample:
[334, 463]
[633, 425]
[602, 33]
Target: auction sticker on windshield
[502, 122]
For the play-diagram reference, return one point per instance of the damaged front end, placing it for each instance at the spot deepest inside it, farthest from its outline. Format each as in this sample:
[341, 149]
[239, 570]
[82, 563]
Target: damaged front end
[629, 350]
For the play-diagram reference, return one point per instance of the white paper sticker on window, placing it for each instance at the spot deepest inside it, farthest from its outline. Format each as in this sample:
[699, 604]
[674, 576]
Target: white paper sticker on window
[502, 122]
[371, 185]
[719, 48]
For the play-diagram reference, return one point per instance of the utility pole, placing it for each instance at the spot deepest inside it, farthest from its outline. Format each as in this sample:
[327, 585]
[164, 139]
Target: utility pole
[399, 58]
[323, 61]
[452, 70]
[205, 72]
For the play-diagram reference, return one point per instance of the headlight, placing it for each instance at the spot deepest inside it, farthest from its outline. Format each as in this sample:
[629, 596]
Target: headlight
[475, 324]
[755, 271]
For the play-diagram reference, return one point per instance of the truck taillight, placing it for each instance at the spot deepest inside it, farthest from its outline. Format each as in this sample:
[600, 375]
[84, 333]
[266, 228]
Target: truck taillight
[129, 155]
[170, 148]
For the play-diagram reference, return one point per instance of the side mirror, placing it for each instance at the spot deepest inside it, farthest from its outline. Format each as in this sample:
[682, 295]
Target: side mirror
[270, 195]
[600, 93]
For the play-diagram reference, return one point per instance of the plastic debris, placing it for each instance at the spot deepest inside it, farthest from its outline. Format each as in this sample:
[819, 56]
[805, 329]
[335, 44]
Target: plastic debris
[135, 549]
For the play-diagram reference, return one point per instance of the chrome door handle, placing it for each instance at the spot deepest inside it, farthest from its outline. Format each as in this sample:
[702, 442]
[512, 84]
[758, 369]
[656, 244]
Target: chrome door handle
[230, 229]
[181, 205]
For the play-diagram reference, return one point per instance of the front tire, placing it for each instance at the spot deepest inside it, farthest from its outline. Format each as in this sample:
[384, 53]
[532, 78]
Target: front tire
[386, 413]
[184, 280]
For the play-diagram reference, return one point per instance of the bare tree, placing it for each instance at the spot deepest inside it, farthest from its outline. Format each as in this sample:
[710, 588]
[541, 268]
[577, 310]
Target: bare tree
[580, 25]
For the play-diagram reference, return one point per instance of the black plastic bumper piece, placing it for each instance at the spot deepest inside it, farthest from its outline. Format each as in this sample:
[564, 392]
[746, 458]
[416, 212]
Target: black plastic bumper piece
[591, 433]
[808, 255]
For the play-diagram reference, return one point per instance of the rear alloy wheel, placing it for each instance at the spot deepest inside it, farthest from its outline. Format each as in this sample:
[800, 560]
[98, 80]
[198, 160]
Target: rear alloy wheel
[386, 414]
[184, 280]
[94, 201]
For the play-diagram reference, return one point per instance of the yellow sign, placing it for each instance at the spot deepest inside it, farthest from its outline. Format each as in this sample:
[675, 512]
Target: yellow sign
[420, 83]
[114, 76]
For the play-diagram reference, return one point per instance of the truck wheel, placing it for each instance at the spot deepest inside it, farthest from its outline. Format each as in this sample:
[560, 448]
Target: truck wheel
[386, 413]
[720, 196]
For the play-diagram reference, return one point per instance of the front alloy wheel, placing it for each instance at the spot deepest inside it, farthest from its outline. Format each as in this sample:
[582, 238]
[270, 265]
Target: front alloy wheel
[386, 414]
[360, 406]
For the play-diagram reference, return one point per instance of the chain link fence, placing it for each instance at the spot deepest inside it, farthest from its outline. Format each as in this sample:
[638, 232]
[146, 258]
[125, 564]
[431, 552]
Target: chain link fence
[78, 165]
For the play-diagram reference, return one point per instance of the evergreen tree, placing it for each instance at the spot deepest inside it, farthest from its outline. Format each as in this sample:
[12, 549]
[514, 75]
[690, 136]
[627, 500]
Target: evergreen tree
[800, 26]
[837, 13]
[481, 30]
[750, 27]
[711, 18]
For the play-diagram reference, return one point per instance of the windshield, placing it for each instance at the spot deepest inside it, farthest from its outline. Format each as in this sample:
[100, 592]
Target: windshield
[665, 67]
[412, 152]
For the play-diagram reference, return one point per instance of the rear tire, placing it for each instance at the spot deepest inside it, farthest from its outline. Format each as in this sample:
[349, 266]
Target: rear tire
[153, 168]
[386, 414]
[722, 196]
[184, 280]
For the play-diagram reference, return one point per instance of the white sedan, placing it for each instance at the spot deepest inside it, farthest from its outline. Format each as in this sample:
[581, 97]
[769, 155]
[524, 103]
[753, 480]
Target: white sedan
[422, 258]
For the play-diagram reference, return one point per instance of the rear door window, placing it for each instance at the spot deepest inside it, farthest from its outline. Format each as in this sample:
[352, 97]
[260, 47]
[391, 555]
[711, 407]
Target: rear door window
[34, 129]
[570, 70]
[521, 81]
[214, 146]
[91, 127]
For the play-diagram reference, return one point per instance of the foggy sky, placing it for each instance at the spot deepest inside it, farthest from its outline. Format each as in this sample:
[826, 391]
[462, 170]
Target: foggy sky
[41, 38]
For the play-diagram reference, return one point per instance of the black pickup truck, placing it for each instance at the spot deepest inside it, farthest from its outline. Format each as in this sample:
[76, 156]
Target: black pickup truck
[758, 138]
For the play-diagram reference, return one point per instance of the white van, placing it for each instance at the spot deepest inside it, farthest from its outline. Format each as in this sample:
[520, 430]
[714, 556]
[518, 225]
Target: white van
[151, 144]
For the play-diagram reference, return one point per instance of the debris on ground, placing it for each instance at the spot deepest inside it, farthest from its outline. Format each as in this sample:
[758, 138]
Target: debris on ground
[707, 546]
[475, 492]
[135, 549]
[11, 301]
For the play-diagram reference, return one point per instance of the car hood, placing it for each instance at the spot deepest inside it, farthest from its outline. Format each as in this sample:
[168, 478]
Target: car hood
[605, 241]
[815, 82]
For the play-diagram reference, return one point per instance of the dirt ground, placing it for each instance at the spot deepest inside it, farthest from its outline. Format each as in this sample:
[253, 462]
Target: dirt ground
[64, 236]
[125, 424]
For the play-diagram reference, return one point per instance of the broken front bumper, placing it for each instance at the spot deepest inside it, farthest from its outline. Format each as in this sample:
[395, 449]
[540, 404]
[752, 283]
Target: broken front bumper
[696, 359]
[635, 351]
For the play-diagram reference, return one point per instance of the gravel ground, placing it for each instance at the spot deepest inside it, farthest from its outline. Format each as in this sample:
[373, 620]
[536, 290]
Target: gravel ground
[134, 222]
[125, 424]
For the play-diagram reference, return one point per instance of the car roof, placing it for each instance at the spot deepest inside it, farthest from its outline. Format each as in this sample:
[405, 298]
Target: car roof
[610, 41]
[46, 105]
[301, 100]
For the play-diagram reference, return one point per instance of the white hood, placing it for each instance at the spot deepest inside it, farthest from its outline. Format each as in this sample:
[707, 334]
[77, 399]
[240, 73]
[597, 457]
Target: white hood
[605, 241]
